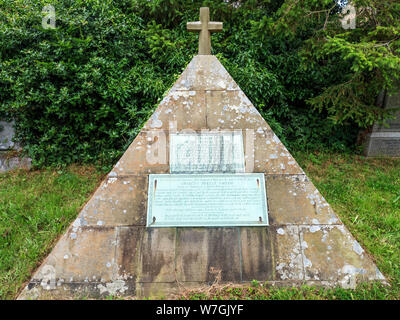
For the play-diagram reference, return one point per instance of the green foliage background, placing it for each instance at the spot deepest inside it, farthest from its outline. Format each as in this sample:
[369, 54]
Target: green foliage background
[81, 92]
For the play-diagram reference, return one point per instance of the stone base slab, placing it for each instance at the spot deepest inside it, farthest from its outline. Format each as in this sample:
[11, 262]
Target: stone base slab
[146, 290]
[383, 144]
[96, 262]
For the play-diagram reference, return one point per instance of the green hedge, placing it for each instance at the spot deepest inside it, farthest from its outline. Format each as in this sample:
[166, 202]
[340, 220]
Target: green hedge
[81, 92]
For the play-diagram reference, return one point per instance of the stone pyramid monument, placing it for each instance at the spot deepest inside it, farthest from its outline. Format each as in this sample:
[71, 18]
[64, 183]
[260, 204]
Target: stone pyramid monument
[110, 249]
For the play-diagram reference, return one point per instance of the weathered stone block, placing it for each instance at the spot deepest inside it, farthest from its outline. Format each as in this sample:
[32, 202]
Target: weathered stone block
[293, 199]
[129, 241]
[264, 152]
[256, 249]
[118, 201]
[148, 153]
[78, 290]
[205, 72]
[83, 254]
[8, 163]
[288, 261]
[203, 253]
[157, 256]
[232, 110]
[331, 253]
[179, 110]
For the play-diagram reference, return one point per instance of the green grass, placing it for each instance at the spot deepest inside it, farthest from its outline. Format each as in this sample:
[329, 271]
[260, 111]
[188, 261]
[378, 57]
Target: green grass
[372, 291]
[36, 208]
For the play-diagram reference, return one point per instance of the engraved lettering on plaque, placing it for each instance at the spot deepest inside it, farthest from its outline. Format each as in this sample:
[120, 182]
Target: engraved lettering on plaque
[207, 200]
[207, 152]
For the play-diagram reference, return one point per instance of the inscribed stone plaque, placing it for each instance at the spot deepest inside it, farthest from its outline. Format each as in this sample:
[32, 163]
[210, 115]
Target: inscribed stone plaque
[215, 200]
[207, 152]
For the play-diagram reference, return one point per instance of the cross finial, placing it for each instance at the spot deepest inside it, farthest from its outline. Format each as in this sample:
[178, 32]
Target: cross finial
[205, 27]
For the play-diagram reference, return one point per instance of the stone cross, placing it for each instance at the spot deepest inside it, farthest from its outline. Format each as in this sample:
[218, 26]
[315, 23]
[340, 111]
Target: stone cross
[205, 27]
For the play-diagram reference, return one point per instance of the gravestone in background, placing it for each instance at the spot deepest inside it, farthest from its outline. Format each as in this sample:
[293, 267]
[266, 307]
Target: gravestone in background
[8, 158]
[6, 135]
[384, 141]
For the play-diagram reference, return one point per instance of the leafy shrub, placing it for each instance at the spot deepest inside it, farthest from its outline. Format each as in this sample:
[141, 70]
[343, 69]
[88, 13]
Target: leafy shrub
[81, 92]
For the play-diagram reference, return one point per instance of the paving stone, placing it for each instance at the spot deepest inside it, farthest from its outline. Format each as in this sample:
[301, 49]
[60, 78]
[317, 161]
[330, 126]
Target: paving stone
[288, 261]
[331, 253]
[202, 252]
[157, 255]
[179, 110]
[293, 199]
[232, 110]
[148, 153]
[205, 72]
[82, 254]
[118, 201]
[256, 250]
